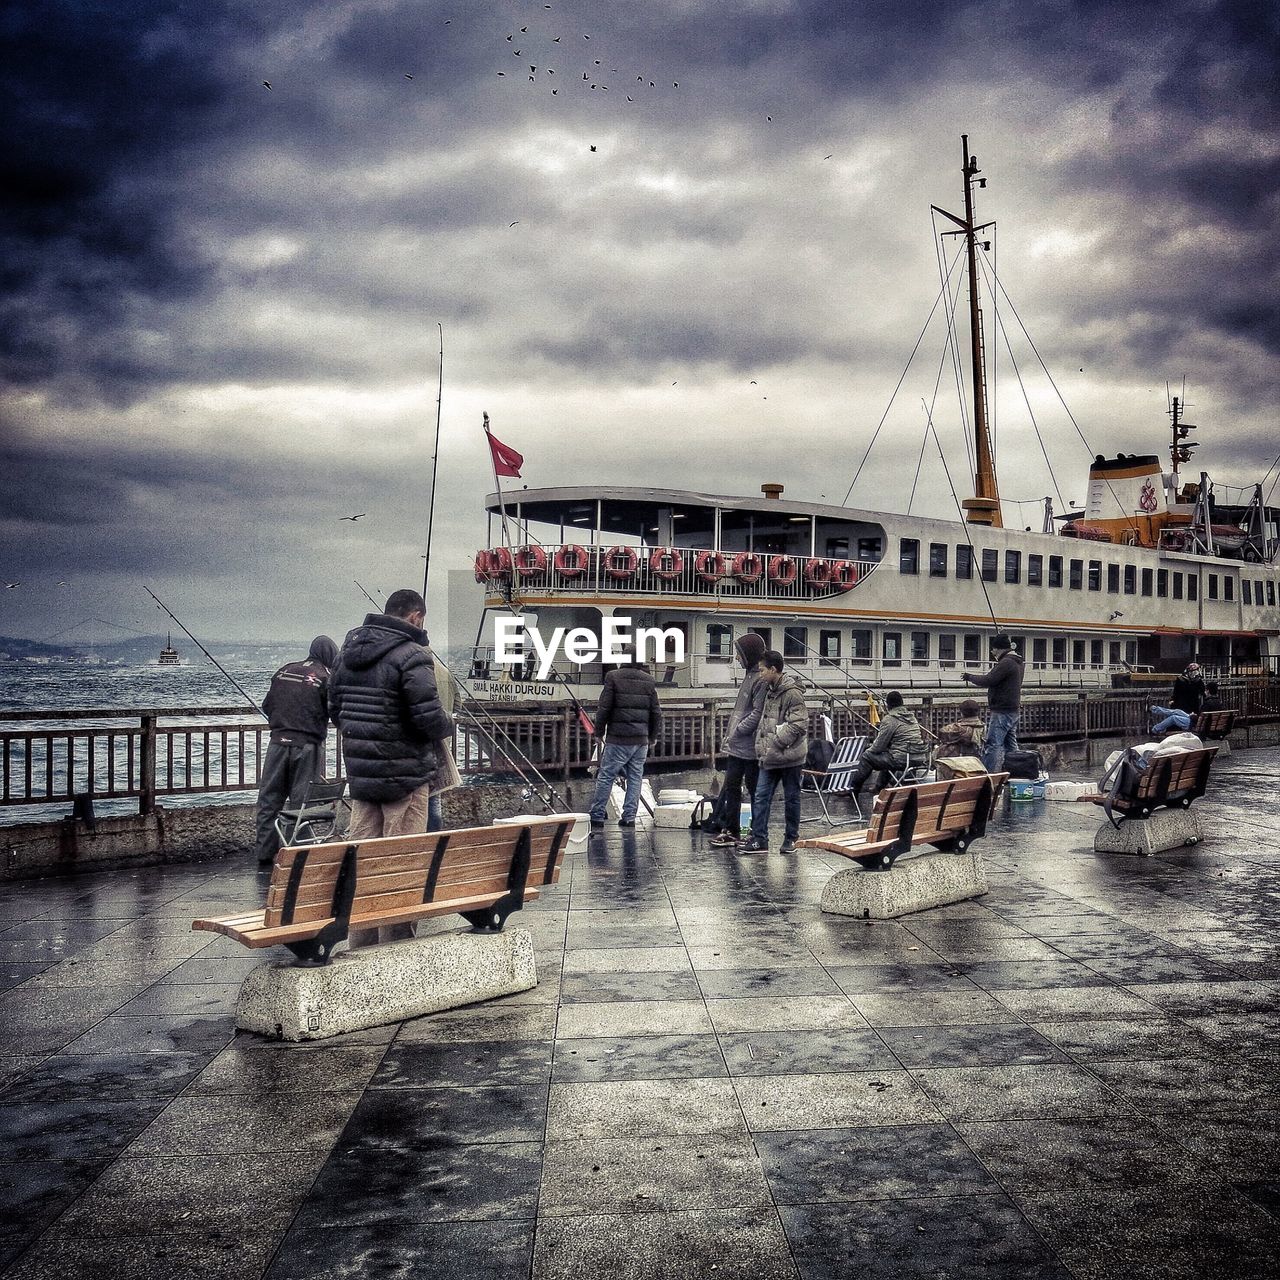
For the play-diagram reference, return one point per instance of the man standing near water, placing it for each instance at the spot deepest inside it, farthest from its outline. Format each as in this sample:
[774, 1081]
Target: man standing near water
[1003, 684]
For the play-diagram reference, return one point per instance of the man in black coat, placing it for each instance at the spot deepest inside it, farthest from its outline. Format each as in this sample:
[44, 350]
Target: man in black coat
[628, 719]
[1188, 690]
[297, 709]
[383, 698]
[1003, 684]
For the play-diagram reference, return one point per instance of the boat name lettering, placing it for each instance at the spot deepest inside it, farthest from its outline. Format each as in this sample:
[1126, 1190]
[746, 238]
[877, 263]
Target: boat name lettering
[617, 640]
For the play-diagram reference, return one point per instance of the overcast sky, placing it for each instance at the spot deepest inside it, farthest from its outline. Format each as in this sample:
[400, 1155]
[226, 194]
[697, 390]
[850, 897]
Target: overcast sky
[678, 243]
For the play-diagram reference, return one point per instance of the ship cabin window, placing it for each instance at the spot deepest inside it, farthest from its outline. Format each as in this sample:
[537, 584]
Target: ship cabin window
[765, 634]
[908, 555]
[1013, 566]
[1271, 594]
[1193, 586]
[1131, 651]
[1114, 651]
[1147, 578]
[947, 650]
[1055, 571]
[972, 651]
[1130, 579]
[1076, 579]
[1020, 645]
[869, 549]
[964, 562]
[1246, 586]
[990, 562]
[860, 647]
[795, 642]
[1095, 653]
[1228, 588]
[892, 649]
[1162, 583]
[937, 560]
[1035, 570]
[1113, 579]
[1177, 586]
[1257, 592]
[1059, 652]
[1039, 653]
[828, 648]
[1077, 653]
[1095, 575]
[837, 549]
[719, 642]
[919, 648]
[1213, 586]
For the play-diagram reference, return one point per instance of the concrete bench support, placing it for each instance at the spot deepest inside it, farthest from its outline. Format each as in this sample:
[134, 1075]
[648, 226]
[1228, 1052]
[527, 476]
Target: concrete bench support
[372, 986]
[1165, 829]
[911, 884]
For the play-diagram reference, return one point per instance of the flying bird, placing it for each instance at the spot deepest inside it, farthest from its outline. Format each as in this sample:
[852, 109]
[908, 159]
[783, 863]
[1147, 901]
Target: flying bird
[593, 146]
[9, 586]
[407, 76]
[266, 84]
[555, 41]
[516, 223]
[769, 118]
[828, 157]
[754, 383]
[353, 519]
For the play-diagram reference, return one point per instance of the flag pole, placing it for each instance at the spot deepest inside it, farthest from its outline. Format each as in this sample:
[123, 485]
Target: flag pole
[497, 484]
[435, 467]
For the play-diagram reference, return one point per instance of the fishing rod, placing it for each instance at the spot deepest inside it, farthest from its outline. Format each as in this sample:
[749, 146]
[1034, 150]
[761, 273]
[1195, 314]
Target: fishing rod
[367, 596]
[435, 466]
[161, 604]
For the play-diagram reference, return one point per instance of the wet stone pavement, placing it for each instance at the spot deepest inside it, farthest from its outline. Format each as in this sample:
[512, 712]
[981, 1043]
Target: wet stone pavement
[1075, 1076]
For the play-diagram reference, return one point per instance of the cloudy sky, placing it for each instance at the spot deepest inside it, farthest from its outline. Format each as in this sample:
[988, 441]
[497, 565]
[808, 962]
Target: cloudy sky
[679, 242]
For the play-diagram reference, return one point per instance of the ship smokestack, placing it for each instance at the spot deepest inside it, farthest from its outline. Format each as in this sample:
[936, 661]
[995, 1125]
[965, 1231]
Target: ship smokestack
[771, 490]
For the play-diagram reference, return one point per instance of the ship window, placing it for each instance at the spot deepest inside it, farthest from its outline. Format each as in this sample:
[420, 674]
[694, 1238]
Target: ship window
[1131, 651]
[990, 561]
[795, 642]
[828, 648]
[1020, 645]
[1247, 587]
[1271, 593]
[1257, 592]
[868, 548]
[1147, 579]
[1095, 575]
[1013, 566]
[1228, 588]
[1193, 586]
[1162, 583]
[1130, 579]
[765, 634]
[947, 650]
[919, 648]
[1055, 571]
[972, 650]
[1035, 570]
[1213, 586]
[908, 555]
[1077, 575]
[1113, 579]
[893, 648]
[860, 646]
[1095, 652]
[719, 642]
[1077, 653]
[1177, 586]
[1039, 653]
[1115, 653]
[937, 560]
[964, 562]
[837, 549]
[1059, 652]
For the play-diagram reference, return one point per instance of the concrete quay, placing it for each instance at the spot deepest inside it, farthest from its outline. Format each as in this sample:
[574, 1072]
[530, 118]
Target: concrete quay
[1074, 1075]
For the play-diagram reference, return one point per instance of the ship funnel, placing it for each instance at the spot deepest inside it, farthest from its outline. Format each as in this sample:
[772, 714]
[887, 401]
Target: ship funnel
[1123, 487]
[771, 490]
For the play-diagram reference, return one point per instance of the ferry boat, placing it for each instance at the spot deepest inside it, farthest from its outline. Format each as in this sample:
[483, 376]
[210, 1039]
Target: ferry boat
[1152, 573]
[169, 656]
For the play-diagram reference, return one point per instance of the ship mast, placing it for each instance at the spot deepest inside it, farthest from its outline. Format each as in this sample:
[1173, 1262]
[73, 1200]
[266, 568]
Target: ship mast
[984, 506]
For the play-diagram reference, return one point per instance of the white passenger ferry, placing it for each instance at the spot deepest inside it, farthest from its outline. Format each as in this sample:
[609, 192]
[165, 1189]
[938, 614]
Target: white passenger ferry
[1152, 573]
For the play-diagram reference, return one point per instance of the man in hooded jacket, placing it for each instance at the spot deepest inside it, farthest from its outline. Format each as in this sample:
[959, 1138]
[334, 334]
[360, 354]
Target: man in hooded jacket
[1003, 684]
[297, 709]
[741, 769]
[383, 698]
[898, 741]
[782, 738]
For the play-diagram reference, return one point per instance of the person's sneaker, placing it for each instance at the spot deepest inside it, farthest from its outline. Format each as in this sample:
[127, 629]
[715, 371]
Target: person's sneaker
[753, 846]
[625, 823]
[788, 846]
[597, 826]
[723, 840]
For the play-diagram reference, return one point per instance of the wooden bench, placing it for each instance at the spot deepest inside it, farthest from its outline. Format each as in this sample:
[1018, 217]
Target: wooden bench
[1168, 782]
[1213, 726]
[320, 892]
[948, 815]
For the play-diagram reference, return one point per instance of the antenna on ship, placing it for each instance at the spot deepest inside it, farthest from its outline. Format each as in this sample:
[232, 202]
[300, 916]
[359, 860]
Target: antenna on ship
[984, 506]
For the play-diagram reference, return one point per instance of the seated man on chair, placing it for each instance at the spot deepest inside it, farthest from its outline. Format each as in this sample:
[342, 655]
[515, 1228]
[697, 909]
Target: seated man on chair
[898, 741]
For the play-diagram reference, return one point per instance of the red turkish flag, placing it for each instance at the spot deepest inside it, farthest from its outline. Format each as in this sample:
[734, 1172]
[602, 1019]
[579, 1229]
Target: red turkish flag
[506, 461]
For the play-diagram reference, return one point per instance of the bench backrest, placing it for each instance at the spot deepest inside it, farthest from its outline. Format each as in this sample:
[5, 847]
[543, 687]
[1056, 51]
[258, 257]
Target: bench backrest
[893, 816]
[1213, 724]
[401, 874]
[1173, 776]
[957, 804]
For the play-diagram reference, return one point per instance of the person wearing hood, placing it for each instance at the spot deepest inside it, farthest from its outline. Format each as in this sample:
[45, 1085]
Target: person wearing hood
[1003, 684]
[1188, 690]
[782, 737]
[297, 709]
[741, 769]
[384, 700]
[962, 737]
[899, 740]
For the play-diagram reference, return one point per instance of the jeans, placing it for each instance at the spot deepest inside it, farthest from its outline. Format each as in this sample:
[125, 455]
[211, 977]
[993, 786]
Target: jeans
[739, 776]
[1169, 718]
[435, 813]
[1002, 736]
[619, 757]
[763, 802]
[286, 771]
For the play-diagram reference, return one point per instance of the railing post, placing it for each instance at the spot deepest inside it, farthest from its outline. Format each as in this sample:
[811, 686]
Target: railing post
[709, 711]
[147, 767]
[566, 729]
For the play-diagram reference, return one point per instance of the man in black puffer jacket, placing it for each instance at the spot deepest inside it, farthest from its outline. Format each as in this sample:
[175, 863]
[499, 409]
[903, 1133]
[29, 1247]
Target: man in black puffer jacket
[628, 718]
[383, 698]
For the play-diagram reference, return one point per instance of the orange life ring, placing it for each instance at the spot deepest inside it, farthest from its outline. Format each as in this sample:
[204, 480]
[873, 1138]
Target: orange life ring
[748, 567]
[817, 573]
[530, 560]
[666, 563]
[845, 575]
[484, 565]
[783, 570]
[500, 562]
[571, 561]
[620, 563]
[709, 566]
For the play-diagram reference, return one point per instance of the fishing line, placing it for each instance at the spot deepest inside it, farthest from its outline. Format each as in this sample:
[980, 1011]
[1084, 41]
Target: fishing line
[435, 466]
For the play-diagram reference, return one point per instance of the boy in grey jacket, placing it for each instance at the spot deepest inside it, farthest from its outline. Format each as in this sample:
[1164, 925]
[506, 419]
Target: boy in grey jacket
[782, 739]
[741, 769]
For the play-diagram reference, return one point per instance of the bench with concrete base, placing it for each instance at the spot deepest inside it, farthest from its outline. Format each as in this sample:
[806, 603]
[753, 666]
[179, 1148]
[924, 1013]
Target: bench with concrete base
[320, 894]
[948, 816]
[1153, 805]
[1214, 726]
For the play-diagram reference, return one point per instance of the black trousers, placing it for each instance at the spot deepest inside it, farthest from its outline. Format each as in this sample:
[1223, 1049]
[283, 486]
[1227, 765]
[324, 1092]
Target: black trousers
[285, 773]
[739, 776]
[870, 762]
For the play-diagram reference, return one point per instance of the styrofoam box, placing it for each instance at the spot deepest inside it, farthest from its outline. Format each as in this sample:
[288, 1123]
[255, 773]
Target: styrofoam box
[581, 823]
[676, 795]
[1069, 790]
[674, 815]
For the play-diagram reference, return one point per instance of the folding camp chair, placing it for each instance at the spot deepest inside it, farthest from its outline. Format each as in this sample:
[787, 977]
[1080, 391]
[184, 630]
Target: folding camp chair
[911, 772]
[316, 819]
[836, 778]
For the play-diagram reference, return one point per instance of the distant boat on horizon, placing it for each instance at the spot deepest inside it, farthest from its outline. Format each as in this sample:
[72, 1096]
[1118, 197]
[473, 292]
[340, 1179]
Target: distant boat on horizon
[169, 656]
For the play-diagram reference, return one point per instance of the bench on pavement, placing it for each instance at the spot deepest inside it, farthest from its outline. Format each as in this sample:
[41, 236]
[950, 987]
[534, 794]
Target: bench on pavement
[948, 816]
[1213, 726]
[1146, 810]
